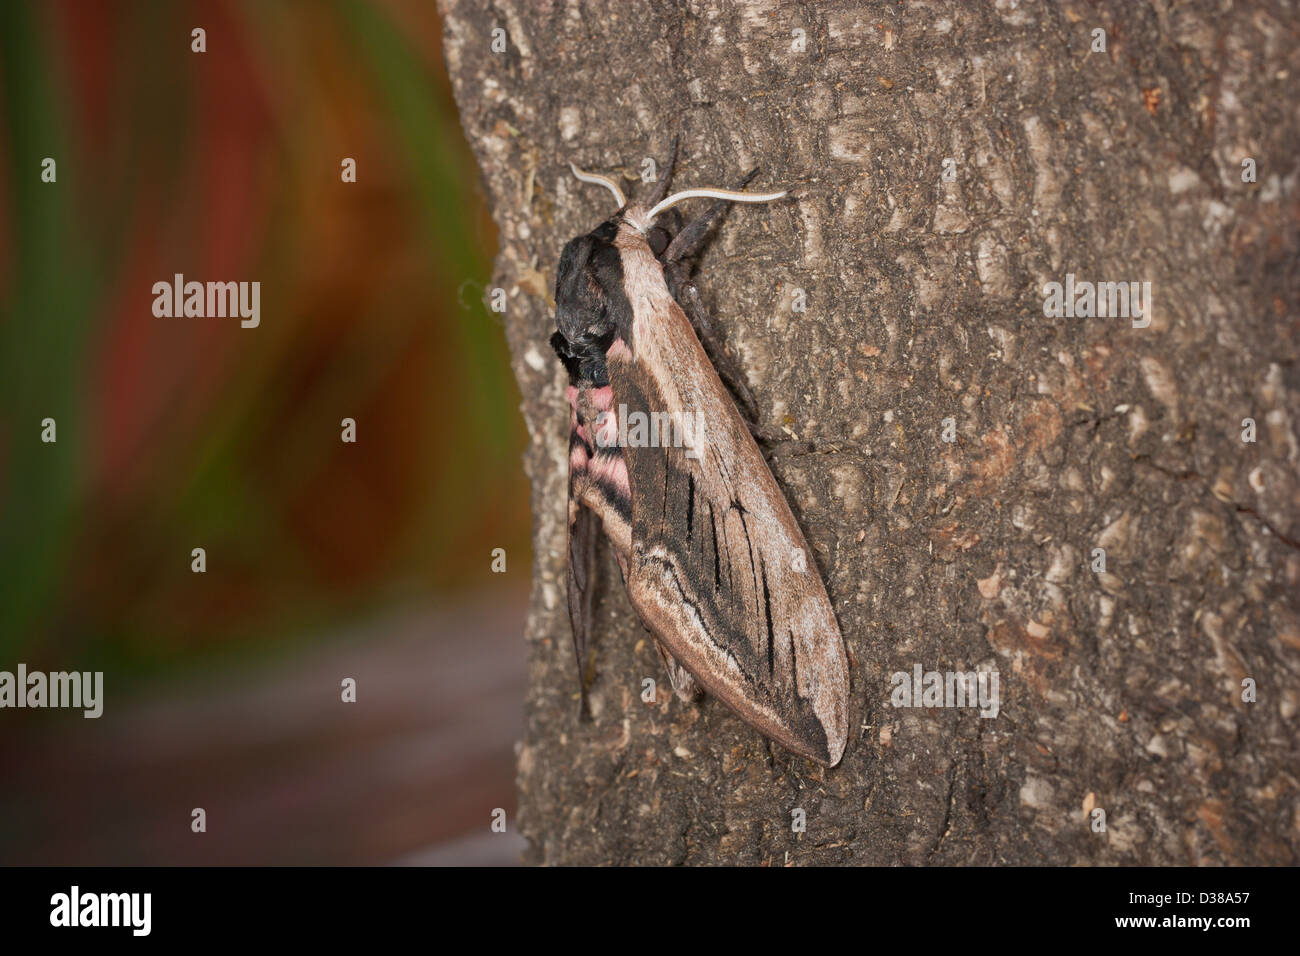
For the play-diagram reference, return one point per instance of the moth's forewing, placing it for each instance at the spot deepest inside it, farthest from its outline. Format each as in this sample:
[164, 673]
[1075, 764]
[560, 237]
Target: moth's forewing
[719, 568]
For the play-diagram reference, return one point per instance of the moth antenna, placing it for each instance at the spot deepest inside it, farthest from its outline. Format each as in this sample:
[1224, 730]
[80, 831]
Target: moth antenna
[601, 181]
[732, 194]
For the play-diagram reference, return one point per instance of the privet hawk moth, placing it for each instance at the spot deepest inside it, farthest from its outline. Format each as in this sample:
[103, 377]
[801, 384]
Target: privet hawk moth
[713, 560]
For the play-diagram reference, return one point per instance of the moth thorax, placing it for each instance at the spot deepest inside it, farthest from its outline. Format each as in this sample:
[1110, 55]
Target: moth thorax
[637, 216]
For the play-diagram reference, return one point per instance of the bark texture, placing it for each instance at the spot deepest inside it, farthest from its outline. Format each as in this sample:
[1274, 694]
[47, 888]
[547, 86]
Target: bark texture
[1120, 691]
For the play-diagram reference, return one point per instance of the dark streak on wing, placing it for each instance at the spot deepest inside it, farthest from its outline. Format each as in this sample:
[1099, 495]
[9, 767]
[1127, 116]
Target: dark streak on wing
[767, 616]
[794, 657]
[717, 566]
[665, 511]
[731, 581]
[749, 543]
[690, 507]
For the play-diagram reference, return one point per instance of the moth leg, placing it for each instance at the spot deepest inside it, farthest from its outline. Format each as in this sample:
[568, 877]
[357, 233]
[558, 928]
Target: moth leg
[684, 684]
[583, 531]
[767, 435]
[661, 187]
[688, 241]
[677, 262]
[688, 297]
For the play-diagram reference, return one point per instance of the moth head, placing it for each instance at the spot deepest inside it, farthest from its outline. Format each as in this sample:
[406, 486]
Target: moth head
[591, 306]
[591, 303]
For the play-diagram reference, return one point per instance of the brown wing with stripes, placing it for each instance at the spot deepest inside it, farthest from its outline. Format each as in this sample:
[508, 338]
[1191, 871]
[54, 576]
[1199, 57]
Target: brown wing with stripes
[718, 568]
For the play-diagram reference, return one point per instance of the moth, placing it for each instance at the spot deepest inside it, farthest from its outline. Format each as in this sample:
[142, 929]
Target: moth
[712, 558]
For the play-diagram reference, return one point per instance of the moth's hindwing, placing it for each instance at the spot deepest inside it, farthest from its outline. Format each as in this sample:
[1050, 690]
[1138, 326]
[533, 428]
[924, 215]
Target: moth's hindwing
[718, 568]
[598, 496]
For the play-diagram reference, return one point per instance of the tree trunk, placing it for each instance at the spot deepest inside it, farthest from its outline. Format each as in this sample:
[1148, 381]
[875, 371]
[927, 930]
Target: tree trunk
[950, 161]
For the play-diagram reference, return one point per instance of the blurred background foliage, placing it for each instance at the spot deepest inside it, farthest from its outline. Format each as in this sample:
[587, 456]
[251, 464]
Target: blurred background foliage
[194, 432]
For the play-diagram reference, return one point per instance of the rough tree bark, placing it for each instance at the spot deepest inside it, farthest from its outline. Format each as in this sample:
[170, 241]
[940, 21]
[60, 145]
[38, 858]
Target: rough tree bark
[1120, 690]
